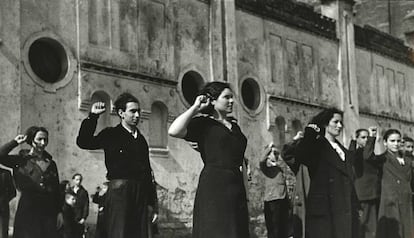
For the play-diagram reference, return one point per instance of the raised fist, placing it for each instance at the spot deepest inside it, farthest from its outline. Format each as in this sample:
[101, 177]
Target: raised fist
[20, 139]
[98, 108]
[372, 131]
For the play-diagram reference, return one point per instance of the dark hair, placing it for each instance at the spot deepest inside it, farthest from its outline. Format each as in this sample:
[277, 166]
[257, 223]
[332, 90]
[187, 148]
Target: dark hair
[359, 131]
[63, 185]
[322, 119]
[122, 100]
[389, 132]
[213, 91]
[407, 138]
[77, 174]
[32, 131]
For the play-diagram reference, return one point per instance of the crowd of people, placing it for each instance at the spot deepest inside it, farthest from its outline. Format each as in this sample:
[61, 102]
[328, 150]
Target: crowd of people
[361, 191]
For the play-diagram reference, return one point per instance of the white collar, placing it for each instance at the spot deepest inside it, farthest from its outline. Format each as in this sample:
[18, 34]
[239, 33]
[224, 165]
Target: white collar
[133, 133]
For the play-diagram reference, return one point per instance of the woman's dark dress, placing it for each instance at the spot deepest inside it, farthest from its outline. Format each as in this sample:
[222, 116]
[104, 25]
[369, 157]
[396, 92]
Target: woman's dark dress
[220, 208]
[40, 200]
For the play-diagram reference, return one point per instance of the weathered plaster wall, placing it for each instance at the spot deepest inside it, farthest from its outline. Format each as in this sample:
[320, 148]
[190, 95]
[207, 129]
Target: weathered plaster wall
[145, 47]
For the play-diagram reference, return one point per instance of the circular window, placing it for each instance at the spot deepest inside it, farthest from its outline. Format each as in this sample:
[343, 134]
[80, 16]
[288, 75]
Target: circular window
[250, 93]
[48, 60]
[191, 84]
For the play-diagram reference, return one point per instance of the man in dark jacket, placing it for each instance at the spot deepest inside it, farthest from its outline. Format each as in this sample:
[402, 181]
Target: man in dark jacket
[367, 184]
[7, 192]
[130, 190]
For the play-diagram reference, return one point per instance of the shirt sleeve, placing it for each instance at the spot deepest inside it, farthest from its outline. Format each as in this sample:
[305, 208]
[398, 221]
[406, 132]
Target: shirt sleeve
[195, 129]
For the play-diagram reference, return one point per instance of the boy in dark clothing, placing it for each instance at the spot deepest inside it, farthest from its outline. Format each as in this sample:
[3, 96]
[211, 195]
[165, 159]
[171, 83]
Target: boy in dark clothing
[99, 198]
[70, 223]
[81, 205]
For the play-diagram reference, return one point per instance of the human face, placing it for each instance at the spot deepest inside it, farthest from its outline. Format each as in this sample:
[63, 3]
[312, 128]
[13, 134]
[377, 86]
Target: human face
[408, 147]
[70, 200]
[40, 141]
[130, 117]
[393, 143]
[77, 180]
[334, 126]
[362, 138]
[224, 102]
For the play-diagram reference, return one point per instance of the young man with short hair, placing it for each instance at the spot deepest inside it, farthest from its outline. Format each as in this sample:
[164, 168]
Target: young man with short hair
[130, 189]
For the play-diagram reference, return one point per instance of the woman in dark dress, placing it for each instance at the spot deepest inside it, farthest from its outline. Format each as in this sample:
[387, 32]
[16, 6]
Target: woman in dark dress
[38, 213]
[220, 208]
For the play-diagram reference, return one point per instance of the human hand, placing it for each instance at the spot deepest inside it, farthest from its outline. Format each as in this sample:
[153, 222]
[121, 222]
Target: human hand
[154, 218]
[299, 135]
[59, 220]
[98, 108]
[314, 127]
[20, 139]
[82, 221]
[372, 131]
[201, 102]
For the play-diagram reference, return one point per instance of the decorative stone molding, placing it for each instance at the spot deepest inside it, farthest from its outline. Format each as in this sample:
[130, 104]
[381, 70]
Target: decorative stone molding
[294, 14]
[90, 66]
[70, 61]
[382, 43]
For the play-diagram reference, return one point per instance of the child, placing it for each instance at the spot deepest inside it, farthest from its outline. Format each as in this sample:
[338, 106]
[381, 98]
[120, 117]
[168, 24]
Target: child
[69, 220]
[395, 213]
[81, 205]
[99, 198]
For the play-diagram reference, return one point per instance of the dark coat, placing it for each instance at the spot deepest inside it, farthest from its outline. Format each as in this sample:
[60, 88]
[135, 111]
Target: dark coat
[82, 203]
[332, 204]
[40, 199]
[367, 183]
[395, 218]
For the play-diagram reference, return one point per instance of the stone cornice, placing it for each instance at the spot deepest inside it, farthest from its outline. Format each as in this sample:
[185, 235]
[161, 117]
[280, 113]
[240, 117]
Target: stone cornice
[382, 43]
[297, 102]
[90, 66]
[385, 117]
[294, 14]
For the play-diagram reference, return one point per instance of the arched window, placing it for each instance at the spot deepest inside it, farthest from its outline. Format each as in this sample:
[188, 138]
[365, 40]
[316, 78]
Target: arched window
[279, 136]
[158, 137]
[105, 118]
[296, 127]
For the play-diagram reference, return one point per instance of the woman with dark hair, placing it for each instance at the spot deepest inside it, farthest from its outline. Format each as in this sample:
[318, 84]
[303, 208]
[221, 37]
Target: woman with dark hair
[395, 216]
[331, 204]
[38, 213]
[220, 208]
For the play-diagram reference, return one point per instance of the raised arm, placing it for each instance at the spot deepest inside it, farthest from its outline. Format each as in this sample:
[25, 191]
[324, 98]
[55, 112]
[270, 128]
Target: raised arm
[86, 138]
[307, 146]
[11, 160]
[269, 164]
[179, 126]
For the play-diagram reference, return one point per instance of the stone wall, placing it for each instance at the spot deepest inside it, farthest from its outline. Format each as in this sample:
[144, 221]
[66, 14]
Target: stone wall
[281, 57]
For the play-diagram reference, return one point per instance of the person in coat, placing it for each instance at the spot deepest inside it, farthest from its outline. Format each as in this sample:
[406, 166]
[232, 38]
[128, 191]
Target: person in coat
[130, 189]
[395, 216]
[276, 199]
[332, 205]
[301, 189]
[81, 205]
[38, 213]
[367, 183]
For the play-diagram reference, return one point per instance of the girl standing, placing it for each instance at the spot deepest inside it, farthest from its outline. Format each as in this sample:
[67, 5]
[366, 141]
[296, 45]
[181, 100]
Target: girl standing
[220, 208]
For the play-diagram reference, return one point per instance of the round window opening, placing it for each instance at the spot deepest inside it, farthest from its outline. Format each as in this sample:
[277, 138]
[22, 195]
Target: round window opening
[250, 92]
[48, 60]
[191, 84]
